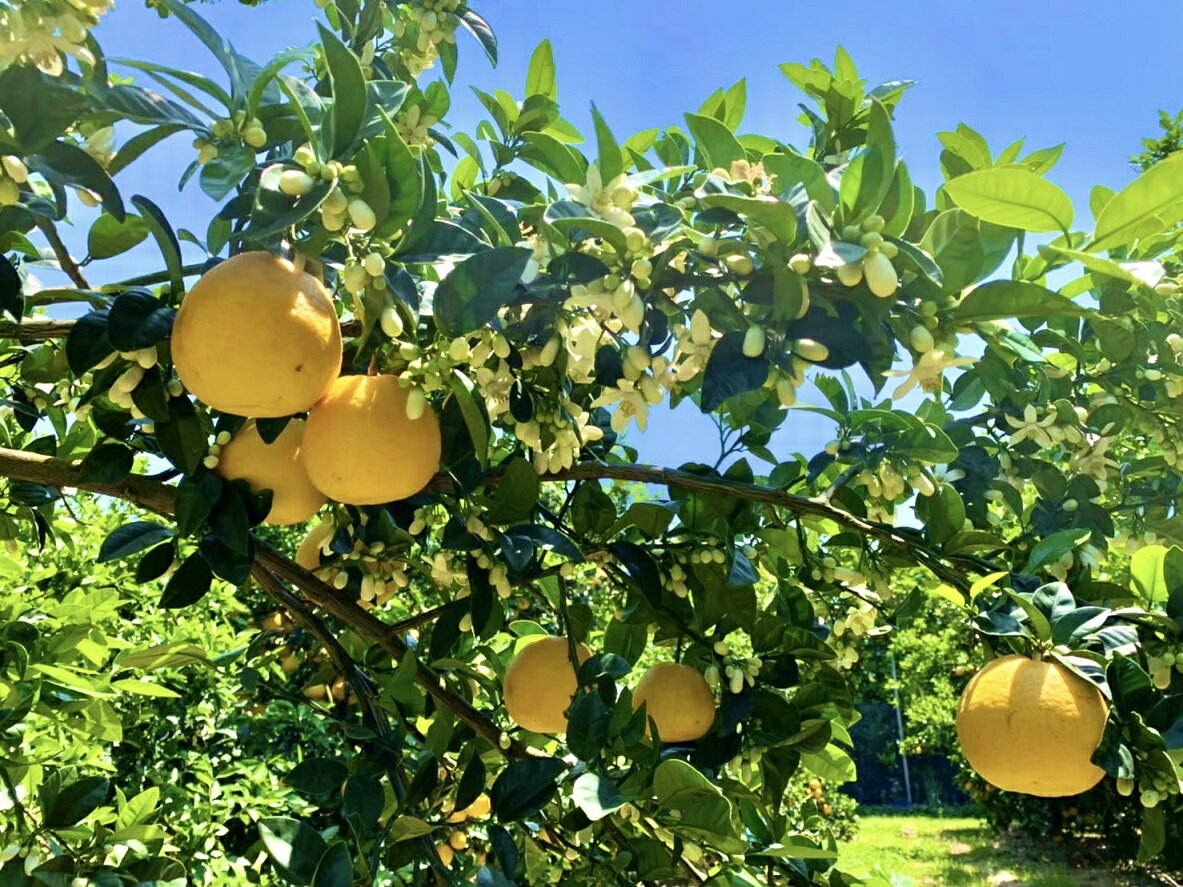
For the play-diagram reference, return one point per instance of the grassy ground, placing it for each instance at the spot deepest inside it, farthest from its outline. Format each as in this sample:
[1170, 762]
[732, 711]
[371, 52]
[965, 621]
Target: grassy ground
[961, 851]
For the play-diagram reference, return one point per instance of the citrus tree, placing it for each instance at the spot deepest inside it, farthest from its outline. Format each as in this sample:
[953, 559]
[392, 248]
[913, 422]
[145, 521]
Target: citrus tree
[433, 344]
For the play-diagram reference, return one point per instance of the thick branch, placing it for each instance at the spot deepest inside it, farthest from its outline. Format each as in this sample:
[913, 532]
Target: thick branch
[35, 329]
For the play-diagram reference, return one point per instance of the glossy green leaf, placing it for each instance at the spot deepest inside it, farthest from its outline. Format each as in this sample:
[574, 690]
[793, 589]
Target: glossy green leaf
[1013, 198]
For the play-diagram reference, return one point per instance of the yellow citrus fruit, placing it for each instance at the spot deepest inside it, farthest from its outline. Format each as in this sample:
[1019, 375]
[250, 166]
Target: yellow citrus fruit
[1032, 727]
[458, 840]
[274, 466]
[478, 809]
[360, 448]
[257, 337]
[446, 853]
[678, 698]
[540, 683]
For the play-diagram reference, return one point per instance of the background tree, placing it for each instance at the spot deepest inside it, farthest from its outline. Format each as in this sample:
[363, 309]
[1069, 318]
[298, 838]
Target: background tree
[518, 305]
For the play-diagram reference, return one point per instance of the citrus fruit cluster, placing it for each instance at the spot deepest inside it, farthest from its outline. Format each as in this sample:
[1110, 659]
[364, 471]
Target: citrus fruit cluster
[541, 682]
[259, 337]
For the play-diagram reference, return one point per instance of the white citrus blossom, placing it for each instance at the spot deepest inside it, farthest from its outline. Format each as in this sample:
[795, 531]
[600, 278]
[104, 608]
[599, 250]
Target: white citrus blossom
[928, 371]
[631, 405]
[610, 201]
[1031, 427]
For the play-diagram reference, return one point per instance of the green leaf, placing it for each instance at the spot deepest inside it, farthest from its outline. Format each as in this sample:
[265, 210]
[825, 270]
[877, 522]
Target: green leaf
[926, 443]
[596, 796]
[173, 655]
[1055, 546]
[137, 320]
[145, 688]
[295, 848]
[831, 764]
[351, 100]
[132, 538]
[728, 372]
[778, 217]
[588, 722]
[230, 60]
[718, 144]
[480, 29]
[63, 163]
[1149, 204]
[317, 776]
[107, 464]
[471, 294]
[525, 787]
[1147, 576]
[226, 171]
[516, 494]
[611, 161]
[188, 584]
[405, 828]
[1013, 198]
[1154, 833]
[166, 240]
[540, 76]
[109, 237]
[335, 868]
[1003, 299]
[77, 801]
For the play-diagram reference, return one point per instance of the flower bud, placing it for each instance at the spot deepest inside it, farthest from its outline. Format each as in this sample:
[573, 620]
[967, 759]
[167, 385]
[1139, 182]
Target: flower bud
[889, 249]
[295, 183]
[458, 349]
[336, 203]
[304, 155]
[15, 168]
[786, 393]
[753, 341]
[739, 264]
[800, 263]
[1125, 787]
[354, 279]
[874, 223]
[416, 403]
[921, 339]
[391, 322]
[700, 327]
[255, 136]
[550, 351]
[851, 274]
[881, 275]
[871, 240]
[811, 350]
[361, 215]
[10, 193]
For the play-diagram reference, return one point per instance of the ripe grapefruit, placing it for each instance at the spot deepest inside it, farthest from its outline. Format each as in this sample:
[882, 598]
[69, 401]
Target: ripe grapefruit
[256, 337]
[678, 699]
[540, 684]
[1032, 727]
[361, 449]
[274, 466]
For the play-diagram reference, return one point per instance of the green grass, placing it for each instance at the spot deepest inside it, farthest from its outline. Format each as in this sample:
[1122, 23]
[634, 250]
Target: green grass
[962, 851]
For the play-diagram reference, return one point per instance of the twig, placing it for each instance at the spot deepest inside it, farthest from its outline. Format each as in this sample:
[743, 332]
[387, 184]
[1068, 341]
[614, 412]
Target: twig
[65, 260]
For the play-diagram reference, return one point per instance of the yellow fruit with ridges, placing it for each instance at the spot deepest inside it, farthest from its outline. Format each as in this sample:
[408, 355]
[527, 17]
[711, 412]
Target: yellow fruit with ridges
[678, 699]
[360, 447]
[256, 337]
[274, 466]
[1032, 726]
[540, 683]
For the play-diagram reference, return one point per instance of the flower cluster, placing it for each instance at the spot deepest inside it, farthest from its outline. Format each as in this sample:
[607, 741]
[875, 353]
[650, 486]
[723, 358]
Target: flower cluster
[39, 32]
[422, 27]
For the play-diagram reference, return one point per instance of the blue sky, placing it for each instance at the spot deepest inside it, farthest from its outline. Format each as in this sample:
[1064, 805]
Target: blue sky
[1052, 71]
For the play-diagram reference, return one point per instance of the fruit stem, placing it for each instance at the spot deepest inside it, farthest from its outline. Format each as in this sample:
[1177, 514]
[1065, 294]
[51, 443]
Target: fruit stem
[372, 370]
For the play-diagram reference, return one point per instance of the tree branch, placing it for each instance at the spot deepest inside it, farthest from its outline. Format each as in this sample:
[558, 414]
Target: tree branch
[65, 260]
[159, 498]
[35, 329]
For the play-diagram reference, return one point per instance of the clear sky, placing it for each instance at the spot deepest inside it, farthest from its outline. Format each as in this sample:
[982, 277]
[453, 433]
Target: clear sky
[1090, 74]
